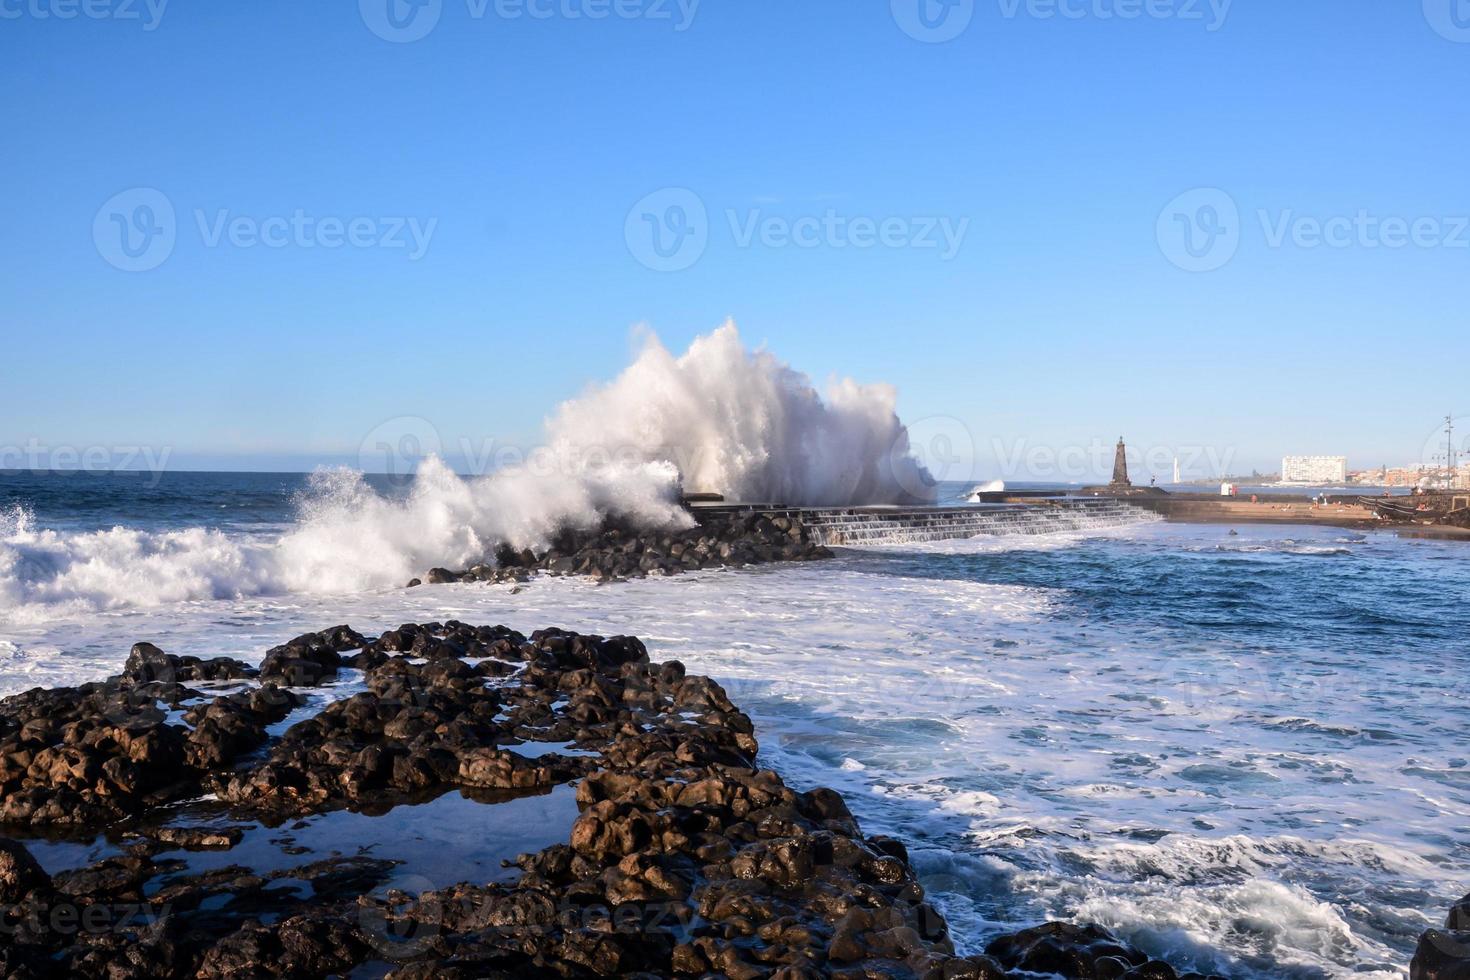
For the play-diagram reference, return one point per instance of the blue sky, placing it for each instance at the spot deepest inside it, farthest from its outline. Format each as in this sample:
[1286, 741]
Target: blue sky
[1067, 155]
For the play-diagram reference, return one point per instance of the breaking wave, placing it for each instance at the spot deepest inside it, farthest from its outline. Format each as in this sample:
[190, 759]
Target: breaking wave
[718, 418]
[743, 424]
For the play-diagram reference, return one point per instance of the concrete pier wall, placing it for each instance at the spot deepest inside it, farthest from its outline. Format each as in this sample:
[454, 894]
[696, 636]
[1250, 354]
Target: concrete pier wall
[855, 526]
[1203, 509]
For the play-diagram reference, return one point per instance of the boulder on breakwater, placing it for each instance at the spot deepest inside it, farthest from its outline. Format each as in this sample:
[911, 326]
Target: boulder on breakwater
[615, 552]
[680, 856]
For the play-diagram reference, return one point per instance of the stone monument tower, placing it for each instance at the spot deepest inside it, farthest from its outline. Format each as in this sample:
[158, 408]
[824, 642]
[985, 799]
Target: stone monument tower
[1120, 467]
[1121, 486]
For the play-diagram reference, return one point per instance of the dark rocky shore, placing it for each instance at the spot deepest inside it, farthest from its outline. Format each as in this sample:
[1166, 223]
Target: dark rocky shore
[617, 551]
[174, 809]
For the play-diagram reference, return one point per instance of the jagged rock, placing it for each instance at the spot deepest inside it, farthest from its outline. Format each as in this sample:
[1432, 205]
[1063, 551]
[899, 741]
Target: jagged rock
[616, 552]
[198, 838]
[20, 873]
[302, 946]
[147, 664]
[1459, 917]
[311, 658]
[685, 857]
[1078, 952]
[1441, 955]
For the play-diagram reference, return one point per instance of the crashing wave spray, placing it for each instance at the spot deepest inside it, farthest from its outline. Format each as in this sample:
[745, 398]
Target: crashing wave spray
[743, 424]
[350, 537]
[720, 417]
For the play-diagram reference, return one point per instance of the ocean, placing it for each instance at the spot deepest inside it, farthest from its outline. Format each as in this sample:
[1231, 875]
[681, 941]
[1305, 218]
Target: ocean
[1241, 751]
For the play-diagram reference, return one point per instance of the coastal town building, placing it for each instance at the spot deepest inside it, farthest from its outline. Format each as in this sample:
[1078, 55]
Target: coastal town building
[1414, 475]
[1314, 469]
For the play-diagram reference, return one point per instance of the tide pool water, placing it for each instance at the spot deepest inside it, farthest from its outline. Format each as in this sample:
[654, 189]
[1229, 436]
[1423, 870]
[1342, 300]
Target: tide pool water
[1243, 752]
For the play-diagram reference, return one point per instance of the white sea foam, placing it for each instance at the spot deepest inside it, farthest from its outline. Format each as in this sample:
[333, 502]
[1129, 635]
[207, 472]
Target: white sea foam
[351, 538]
[1216, 905]
[718, 418]
[348, 538]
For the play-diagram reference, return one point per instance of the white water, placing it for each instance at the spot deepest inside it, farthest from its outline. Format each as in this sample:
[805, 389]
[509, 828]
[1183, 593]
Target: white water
[718, 418]
[1041, 760]
[743, 424]
[347, 538]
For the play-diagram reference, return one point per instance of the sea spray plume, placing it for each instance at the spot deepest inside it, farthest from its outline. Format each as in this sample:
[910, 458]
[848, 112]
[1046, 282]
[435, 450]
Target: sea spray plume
[723, 417]
[743, 424]
[351, 537]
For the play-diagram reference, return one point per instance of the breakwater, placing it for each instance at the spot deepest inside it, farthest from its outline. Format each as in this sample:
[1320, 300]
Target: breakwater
[856, 526]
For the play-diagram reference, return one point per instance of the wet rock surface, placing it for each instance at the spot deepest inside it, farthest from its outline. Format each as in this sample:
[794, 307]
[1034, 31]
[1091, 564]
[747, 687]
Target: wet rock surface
[683, 857]
[1444, 954]
[100, 752]
[615, 553]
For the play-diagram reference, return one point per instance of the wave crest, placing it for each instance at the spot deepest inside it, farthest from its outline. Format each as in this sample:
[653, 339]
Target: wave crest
[719, 417]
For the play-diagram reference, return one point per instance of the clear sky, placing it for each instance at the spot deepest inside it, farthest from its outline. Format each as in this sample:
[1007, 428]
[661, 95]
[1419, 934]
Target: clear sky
[455, 200]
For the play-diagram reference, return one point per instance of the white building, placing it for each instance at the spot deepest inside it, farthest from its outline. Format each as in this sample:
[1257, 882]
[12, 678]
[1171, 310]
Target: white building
[1314, 469]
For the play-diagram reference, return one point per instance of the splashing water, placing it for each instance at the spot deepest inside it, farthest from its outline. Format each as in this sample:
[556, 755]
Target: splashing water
[1248, 761]
[720, 417]
[743, 424]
